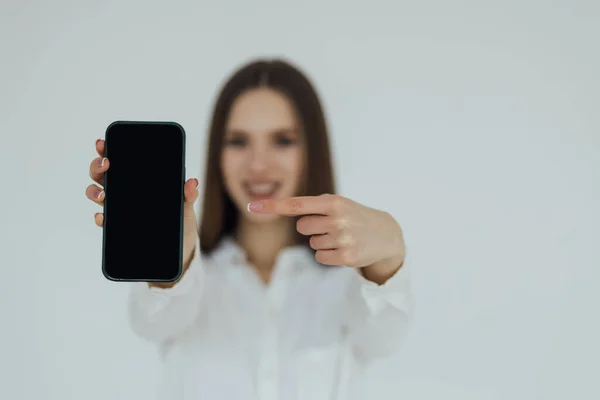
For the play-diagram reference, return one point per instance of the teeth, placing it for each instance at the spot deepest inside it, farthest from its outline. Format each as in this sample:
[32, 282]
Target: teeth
[262, 188]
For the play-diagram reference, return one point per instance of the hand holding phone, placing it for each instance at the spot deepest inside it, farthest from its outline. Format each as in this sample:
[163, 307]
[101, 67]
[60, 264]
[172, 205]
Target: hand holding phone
[150, 228]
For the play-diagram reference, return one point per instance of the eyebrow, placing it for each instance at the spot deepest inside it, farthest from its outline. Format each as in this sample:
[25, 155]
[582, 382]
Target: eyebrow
[236, 131]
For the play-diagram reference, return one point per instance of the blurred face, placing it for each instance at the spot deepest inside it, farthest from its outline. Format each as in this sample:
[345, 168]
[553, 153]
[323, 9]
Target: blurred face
[263, 151]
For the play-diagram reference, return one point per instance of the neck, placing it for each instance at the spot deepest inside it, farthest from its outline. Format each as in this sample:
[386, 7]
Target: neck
[263, 242]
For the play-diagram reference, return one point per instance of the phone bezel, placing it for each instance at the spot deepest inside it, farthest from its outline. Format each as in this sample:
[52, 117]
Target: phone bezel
[181, 219]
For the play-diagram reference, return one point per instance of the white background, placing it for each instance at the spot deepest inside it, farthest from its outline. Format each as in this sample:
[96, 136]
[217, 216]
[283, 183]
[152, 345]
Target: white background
[475, 123]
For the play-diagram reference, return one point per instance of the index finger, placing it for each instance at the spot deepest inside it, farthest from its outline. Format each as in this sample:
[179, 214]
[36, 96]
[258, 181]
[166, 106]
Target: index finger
[291, 206]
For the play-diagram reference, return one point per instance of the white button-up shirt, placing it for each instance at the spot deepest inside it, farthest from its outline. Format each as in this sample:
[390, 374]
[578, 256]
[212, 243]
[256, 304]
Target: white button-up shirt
[223, 334]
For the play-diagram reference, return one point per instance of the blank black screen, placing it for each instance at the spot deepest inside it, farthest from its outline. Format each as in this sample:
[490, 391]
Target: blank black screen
[143, 207]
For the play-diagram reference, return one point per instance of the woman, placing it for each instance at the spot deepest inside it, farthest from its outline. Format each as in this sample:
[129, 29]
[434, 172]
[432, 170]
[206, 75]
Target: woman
[288, 290]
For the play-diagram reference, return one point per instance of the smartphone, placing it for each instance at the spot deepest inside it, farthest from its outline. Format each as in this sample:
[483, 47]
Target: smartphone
[143, 202]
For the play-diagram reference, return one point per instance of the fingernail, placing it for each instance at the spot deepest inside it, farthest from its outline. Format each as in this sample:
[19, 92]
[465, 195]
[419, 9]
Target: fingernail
[198, 185]
[255, 207]
[97, 141]
[101, 162]
[99, 194]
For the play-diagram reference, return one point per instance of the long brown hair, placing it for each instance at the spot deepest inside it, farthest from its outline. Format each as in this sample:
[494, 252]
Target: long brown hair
[219, 214]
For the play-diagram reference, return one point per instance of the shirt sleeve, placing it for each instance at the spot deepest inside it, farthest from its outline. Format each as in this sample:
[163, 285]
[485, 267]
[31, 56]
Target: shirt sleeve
[158, 314]
[380, 316]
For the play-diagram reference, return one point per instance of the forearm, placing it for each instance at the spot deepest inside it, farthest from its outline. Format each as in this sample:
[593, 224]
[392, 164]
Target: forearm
[158, 313]
[381, 335]
[381, 307]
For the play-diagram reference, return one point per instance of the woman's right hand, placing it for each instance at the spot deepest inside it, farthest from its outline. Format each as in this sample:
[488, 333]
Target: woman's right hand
[95, 193]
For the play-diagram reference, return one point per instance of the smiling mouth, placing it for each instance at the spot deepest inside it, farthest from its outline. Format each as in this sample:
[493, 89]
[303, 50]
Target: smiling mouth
[261, 190]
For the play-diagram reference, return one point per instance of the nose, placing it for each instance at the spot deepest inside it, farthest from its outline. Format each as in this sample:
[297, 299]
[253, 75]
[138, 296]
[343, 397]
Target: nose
[259, 159]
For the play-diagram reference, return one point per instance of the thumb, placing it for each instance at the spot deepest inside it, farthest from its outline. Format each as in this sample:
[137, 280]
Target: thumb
[190, 191]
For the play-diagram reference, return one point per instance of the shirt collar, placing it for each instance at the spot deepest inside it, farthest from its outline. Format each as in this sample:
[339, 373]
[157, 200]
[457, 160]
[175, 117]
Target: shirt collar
[294, 257]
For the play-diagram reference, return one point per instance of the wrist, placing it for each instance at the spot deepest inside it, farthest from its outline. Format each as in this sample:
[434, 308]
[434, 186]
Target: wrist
[186, 264]
[380, 271]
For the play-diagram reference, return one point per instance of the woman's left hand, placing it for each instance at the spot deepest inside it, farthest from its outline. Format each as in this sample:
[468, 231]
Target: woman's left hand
[343, 232]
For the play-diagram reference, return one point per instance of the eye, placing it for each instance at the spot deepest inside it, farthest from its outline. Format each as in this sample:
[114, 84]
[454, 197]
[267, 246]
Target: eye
[235, 142]
[284, 141]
